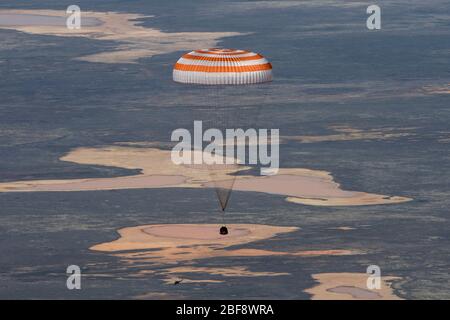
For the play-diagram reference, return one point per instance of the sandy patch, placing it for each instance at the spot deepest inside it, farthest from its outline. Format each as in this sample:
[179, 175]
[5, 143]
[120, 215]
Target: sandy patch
[360, 199]
[304, 186]
[172, 243]
[134, 42]
[20, 19]
[196, 232]
[144, 181]
[344, 133]
[344, 228]
[445, 89]
[180, 237]
[177, 248]
[225, 272]
[350, 286]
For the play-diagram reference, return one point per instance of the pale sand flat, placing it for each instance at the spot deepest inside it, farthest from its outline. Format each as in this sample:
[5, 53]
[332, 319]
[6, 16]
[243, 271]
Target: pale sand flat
[175, 235]
[293, 185]
[350, 134]
[138, 182]
[350, 286]
[224, 272]
[304, 186]
[356, 293]
[360, 199]
[20, 19]
[343, 228]
[194, 232]
[445, 89]
[178, 248]
[133, 41]
[167, 244]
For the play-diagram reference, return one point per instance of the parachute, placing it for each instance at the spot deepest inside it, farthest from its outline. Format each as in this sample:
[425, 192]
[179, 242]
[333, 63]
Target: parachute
[224, 77]
[222, 67]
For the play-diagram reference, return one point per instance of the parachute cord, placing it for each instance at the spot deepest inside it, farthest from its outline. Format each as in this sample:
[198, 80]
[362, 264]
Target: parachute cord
[223, 218]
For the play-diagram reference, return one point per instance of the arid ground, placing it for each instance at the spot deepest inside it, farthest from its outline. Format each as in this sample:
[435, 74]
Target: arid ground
[86, 177]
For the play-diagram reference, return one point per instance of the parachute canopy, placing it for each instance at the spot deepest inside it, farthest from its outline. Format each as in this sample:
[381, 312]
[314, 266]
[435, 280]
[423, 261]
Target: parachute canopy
[222, 67]
[221, 78]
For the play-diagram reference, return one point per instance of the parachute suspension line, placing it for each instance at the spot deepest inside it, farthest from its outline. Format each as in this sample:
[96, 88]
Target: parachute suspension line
[221, 173]
[223, 218]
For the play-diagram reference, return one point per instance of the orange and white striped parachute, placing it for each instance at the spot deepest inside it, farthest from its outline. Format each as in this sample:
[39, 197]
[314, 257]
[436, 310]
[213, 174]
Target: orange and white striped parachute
[222, 67]
[220, 77]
